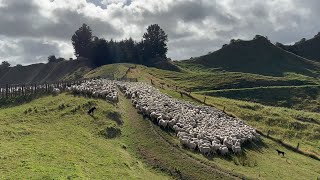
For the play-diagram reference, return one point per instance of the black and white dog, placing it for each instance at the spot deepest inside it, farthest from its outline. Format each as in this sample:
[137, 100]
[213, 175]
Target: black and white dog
[280, 152]
[91, 111]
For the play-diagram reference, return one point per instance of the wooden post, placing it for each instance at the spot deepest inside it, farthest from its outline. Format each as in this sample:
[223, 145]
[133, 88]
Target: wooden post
[205, 98]
[224, 108]
[298, 146]
[7, 90]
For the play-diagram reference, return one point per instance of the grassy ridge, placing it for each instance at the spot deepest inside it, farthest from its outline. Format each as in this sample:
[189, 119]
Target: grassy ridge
[257, 56]
[112, 70]
[296, 97]
[53, 138]
[205, 81]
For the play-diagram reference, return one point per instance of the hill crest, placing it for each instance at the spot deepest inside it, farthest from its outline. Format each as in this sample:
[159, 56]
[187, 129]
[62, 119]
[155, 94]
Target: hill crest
[305, 48]
[257, 56]
[40, 73]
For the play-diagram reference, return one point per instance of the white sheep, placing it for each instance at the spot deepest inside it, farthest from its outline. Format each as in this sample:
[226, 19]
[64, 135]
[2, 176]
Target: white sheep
[199, 126]
[56, 91]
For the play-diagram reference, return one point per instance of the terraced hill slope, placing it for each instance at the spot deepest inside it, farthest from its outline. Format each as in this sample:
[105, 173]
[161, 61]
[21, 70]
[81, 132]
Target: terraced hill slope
[257, 56]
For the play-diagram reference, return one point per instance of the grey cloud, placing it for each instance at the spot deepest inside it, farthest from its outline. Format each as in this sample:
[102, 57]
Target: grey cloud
[23, 19]
[208, 24]
[33, 51]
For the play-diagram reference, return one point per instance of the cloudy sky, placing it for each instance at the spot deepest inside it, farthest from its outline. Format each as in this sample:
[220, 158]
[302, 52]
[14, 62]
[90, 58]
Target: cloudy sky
[30, 30]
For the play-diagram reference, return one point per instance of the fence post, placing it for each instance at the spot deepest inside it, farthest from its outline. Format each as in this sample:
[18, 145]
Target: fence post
[23, 93]
[7, 89]
[298, 146]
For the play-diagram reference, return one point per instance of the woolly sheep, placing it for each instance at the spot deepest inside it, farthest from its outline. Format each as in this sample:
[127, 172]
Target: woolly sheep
[56, 91]
[196, 126]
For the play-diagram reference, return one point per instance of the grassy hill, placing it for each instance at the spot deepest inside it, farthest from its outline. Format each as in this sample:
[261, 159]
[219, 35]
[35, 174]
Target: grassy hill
[305, 48]
[257, 56]
[51, 72]
[296, 97]
[290, 121]
[53, 138]
[78, 149]
[292, 90]
[287, 124]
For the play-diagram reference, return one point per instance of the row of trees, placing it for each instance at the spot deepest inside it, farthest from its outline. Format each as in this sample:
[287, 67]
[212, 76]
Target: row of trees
[152, 48]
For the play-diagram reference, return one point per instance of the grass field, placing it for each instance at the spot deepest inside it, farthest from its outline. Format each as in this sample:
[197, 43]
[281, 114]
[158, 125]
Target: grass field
[296, 97]
[290, 125]
[110, 71]
[259, 161]
[54, 138]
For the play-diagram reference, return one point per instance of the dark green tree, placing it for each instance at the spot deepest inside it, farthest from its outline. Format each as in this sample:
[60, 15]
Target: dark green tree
[5, 64]
[100, 52]
[52, 59]
[155, 43]
[81, 41]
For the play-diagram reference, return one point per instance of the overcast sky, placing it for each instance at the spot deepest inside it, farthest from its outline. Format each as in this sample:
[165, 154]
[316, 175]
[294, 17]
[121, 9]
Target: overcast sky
[30, 30]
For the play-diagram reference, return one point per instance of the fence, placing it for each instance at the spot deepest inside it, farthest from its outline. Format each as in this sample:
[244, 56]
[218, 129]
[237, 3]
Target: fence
[16, 90]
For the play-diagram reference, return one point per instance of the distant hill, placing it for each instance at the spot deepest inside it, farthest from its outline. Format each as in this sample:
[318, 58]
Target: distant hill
[38, 73]
[309, 49]
[258, 56]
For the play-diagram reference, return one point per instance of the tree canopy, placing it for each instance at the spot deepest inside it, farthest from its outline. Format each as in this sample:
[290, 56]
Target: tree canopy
[153, 47]
[155, 42]
[81, 41]
[5, 64]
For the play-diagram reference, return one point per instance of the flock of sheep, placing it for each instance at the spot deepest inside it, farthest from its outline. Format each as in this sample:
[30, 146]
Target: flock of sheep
[99, 88]
[201, 128]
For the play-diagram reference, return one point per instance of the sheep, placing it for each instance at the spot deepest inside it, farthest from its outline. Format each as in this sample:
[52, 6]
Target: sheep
[223, 150]
[196, 126]
[56, 91]
[236, 149]
[163, 123]
[204, 149]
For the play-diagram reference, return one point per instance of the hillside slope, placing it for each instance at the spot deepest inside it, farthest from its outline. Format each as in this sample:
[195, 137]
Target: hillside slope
[38, 73]
[53, 138]
[309, 49]
[258, 56]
